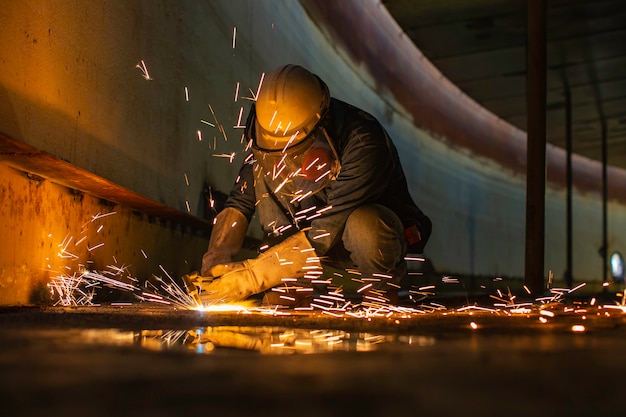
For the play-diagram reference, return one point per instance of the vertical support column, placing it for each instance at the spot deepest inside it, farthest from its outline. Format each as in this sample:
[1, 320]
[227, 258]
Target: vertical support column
[604, 250]
[536, 151]
[569, 272]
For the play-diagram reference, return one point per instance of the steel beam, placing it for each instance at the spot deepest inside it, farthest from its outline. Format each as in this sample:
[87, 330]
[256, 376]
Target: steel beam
[536, 150]
[569, 272]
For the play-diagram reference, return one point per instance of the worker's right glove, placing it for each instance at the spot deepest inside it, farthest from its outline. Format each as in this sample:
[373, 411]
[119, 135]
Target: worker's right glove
[290, 259]
[227, 236]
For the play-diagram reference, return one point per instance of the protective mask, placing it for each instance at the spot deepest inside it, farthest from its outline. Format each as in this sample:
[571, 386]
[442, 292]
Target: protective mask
[300, 170]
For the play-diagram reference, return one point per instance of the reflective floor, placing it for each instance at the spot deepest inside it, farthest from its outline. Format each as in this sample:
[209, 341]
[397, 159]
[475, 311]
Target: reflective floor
[139, 360]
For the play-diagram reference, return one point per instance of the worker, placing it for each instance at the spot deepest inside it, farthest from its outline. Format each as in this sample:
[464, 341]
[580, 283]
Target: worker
[326, 181]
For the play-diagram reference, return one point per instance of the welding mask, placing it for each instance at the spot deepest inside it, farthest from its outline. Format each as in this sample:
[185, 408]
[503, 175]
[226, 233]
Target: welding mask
[294, 154]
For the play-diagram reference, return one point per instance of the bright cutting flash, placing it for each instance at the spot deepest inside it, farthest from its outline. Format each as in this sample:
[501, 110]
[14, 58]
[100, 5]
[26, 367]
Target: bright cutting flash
[240, 307]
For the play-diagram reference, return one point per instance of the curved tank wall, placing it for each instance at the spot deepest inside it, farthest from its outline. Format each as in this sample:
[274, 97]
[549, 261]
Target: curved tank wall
[149, 95]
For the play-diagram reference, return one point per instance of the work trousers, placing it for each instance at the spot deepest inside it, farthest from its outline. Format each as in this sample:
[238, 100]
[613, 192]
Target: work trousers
[373, 244]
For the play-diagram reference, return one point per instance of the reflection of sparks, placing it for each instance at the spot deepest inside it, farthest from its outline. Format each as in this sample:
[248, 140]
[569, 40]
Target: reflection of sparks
[144, 70]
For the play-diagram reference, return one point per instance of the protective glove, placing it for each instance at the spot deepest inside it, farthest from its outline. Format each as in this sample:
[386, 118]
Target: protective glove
[227, 236]
[292, 258]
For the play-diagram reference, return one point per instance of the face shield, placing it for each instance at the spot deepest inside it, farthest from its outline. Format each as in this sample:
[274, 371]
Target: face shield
[301, 170]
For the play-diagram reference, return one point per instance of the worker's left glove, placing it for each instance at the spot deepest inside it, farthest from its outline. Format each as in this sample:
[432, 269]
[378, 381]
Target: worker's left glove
[292, 258]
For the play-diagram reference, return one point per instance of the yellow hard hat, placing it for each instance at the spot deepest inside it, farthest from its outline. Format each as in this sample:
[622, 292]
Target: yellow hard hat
[289, 106]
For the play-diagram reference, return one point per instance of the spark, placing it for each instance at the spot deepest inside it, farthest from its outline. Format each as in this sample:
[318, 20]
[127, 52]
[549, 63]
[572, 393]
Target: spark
[230, 156]
[95, 247]
[311, 164]
[219, 126]
[322, 176]
[255, 96]
[304, 211]
[272, 122]
[577, 287]
[321, 235]
[281, 185]
[100, 216]
[199, 133]
[207, 122]
[144, 70]
[286, 128]
[363, 288]
[186, 94]
[234, 35]
[236, 92]
[186, 179]
[239, 125]
[211, 200]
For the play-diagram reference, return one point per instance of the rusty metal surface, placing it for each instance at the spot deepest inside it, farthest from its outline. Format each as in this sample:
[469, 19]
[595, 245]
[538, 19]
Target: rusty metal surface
[29, 159]
[435, 104]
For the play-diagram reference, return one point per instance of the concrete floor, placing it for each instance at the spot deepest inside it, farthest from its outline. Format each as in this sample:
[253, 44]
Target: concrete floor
[97, 361]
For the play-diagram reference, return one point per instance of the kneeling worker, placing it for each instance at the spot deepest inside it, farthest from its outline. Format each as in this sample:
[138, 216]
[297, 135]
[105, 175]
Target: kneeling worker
[328, 186]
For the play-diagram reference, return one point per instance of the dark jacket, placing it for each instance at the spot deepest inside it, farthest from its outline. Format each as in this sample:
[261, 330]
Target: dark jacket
[370, 173]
